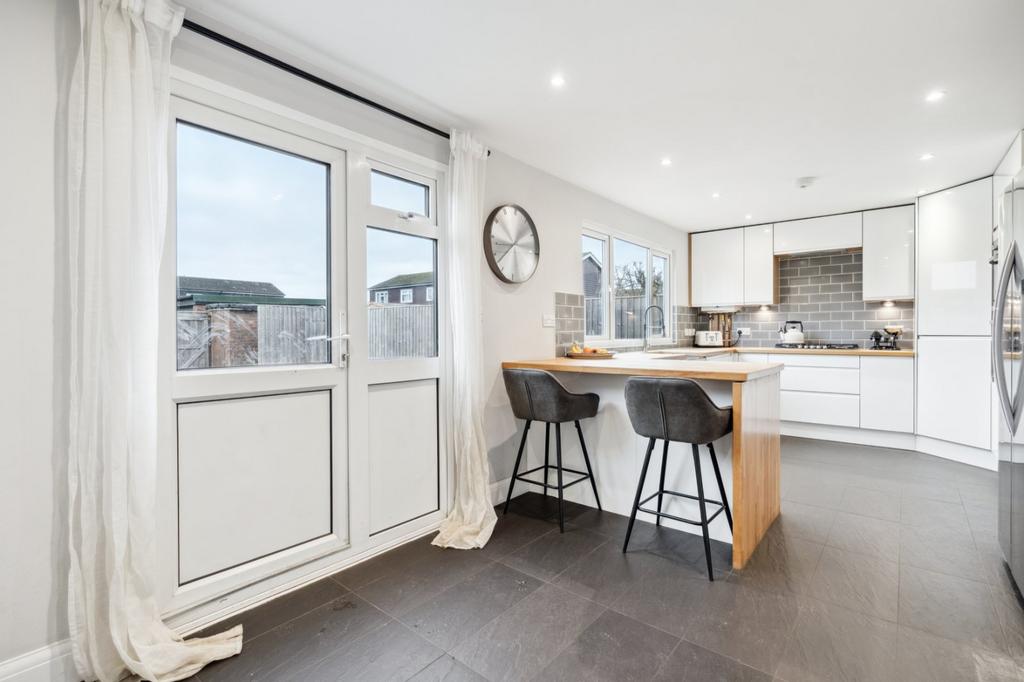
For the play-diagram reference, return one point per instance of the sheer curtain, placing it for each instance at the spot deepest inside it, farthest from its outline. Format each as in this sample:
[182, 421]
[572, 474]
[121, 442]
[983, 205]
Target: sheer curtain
[472, 518]
[117, 200]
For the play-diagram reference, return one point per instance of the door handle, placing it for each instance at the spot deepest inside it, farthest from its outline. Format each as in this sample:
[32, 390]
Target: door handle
[322, 337]
[1013, 270]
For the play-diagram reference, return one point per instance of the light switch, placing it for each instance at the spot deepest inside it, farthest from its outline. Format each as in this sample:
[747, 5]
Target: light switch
[547, 320]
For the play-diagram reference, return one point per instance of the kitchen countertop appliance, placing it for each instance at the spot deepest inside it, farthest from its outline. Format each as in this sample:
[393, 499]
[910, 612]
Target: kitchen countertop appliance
[887, 339]
[792, 331]
[709, 339]
[1008, 370]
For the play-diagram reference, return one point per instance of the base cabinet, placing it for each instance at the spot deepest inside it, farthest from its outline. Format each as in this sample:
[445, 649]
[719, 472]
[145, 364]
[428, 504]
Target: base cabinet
[954, 390]
[887, 394]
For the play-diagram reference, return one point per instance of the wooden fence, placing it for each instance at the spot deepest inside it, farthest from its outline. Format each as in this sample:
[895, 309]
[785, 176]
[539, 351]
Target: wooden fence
[628, 316]
[193, 340]
[402, 331]
[283, 329]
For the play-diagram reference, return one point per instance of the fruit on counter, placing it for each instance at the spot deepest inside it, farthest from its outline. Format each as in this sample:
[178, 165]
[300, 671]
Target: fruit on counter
[577, 350]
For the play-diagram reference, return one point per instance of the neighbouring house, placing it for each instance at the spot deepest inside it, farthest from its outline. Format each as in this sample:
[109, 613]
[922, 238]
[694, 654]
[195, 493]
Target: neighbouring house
[592, 271]
[413, 289]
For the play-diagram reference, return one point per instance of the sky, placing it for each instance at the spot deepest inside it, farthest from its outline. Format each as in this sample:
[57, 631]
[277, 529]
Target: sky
[253, 213]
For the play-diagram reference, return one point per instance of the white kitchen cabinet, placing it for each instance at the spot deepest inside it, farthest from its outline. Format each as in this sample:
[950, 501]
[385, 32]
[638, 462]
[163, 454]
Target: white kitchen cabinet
[821, 379]
[954, 235]
[758, 266]
[833, 409]
[954, 389]
[889, 254]
[887, 393]
[716, 273]
[828, 233]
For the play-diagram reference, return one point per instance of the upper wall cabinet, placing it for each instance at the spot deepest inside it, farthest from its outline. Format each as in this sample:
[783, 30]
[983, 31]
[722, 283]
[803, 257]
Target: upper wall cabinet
[954, 233]
[758, 266]
[716, 268]
[889, 254]
[819, 234]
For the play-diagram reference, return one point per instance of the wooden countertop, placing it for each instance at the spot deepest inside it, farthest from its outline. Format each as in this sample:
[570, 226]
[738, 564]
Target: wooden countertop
[633, 364]
[865, 352]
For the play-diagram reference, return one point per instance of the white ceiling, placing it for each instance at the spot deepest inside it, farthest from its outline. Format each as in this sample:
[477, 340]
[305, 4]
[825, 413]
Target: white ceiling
[745, 96]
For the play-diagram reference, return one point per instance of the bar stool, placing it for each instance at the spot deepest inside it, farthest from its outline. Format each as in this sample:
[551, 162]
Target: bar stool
[538, 396]
[677, 410]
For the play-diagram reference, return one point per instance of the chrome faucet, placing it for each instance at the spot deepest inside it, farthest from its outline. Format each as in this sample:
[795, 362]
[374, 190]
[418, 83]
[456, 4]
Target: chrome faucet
[646, 344]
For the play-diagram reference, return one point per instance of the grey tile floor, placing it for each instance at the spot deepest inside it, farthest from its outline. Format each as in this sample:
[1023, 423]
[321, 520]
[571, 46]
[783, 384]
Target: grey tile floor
[883, 566]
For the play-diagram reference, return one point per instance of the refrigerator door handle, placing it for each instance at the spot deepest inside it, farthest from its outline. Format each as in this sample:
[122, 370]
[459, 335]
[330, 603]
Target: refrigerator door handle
[1013, 268]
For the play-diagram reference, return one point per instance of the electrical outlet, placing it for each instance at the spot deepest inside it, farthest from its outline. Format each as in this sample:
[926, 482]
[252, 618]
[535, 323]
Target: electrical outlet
[689, 332]
[547, 320]
[743, 330]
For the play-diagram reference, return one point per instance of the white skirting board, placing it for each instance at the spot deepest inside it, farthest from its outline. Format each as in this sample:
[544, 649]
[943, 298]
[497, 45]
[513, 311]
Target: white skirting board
[51, 663]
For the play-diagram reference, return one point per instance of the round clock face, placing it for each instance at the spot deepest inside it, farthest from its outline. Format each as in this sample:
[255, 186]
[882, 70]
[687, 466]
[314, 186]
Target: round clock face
[511, 243]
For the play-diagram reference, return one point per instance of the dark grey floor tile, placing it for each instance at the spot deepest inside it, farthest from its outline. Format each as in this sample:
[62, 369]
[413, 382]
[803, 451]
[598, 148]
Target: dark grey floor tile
[921, 512]
[265, 617]
[780, 564]
[980, 494]
[804, 521]
[614, 648]
[512, 532]
[538, 506]
[833, 643]
[868, 502]
[283, 651]
[855, 533]
[604, 522]
[551, 554]
[663, 594]
[398, 592]
[391, 652]
[932, 490]
[389, 563]
[744, 623]
[869, 585]
[520, 642]
[820, 493]
[926, 658]
[462, 609]
[606, 573]
[447, 669]
[692, 663]
[944, 550]
[949, 607]
[683, 549]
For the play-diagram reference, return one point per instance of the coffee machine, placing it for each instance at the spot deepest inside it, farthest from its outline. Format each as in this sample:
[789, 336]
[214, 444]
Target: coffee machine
[887, 339]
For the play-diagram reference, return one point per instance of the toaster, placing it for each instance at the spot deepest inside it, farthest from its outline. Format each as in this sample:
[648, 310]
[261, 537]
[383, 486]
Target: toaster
[708, 339]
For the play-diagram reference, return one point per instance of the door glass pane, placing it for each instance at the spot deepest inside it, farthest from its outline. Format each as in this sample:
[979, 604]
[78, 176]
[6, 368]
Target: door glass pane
[400, 278]
[659, 274]
[593, 285]
[390, 191]
[629, 289]
[252, 226]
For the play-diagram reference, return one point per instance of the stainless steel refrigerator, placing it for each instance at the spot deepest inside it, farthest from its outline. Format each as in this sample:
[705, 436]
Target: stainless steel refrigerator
[1008, 371]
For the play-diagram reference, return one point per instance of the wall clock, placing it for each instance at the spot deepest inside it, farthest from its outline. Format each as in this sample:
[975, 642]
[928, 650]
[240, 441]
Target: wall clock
[511, 243]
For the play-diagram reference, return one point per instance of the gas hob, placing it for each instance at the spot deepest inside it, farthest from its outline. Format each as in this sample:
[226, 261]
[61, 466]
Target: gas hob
[819, 346]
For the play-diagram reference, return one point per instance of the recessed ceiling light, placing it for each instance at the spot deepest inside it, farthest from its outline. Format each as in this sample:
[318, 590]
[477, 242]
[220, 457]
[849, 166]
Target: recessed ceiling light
[748, 217]
[557, 81]
[666, 161]
[927, 156]
[715, 195]
[934, 95]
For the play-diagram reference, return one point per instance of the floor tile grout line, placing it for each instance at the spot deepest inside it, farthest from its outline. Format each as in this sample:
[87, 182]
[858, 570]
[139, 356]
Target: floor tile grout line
[250, 640]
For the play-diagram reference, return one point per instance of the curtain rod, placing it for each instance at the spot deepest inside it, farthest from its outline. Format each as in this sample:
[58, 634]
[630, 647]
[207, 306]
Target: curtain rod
[305, 75]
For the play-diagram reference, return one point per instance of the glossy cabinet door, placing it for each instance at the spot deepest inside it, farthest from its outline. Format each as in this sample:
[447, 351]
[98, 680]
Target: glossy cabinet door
[954, 389]
[828, 233]
[758, 265]
[887, 394]
[954, 233]
[889, 254]
[716, 265]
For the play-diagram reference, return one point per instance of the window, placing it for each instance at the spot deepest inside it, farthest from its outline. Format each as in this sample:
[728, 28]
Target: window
[430, 294]
[252, 227]
[405, 196]
[380, 297]
[621, 279]
[395, 260]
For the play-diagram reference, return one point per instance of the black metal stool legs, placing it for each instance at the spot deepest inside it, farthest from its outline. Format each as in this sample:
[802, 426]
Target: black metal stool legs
[547, 449]
[639, 492]
[661, 485]
[515, 469]
[721, 487]
[703, 510]
[586, 460]
[558, 459]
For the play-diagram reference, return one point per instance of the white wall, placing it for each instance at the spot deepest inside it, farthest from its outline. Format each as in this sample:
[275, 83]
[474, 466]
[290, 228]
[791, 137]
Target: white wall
[512, 312]
[35, 49]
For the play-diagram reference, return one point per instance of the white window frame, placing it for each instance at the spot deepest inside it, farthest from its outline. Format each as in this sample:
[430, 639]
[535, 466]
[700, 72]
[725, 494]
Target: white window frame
[405, 296]
[608, 236]
[430, 294]
[380, 297]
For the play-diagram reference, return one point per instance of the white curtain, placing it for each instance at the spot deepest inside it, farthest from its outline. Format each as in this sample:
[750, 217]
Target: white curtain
[117, 200]
[472, 518]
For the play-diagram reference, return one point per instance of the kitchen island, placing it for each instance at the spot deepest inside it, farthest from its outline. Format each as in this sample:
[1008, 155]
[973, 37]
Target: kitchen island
[749, 455]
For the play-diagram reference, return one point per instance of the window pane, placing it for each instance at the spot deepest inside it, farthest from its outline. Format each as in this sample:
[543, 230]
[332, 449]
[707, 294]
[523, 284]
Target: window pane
[252, 225]
[659, 275]
[389, 191]
[629, 289]
[594, 285]
[400, 279]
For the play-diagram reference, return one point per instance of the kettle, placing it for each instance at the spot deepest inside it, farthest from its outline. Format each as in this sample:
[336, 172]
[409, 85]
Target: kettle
[792, 331]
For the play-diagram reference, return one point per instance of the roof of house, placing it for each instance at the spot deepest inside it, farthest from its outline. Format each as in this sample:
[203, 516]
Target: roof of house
[410, 280]
[234, 287]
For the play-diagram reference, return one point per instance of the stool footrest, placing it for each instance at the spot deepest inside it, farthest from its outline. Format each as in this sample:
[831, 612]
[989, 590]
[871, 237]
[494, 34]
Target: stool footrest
[721, 507]
[583, 476]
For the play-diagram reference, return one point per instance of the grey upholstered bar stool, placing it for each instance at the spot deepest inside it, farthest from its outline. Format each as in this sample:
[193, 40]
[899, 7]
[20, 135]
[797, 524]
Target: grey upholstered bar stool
[538, 396]
[677, 410]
